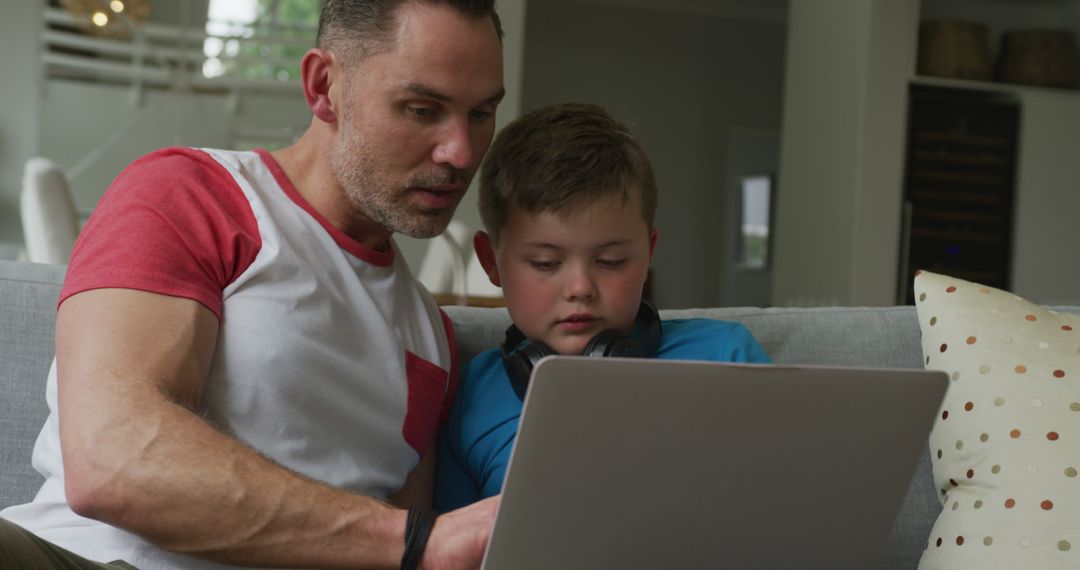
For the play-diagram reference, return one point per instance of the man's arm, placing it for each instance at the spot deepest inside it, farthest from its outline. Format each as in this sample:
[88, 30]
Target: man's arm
[131, 369]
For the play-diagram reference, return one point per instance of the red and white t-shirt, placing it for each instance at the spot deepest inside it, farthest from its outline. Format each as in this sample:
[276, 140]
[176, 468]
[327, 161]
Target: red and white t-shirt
[331, 359]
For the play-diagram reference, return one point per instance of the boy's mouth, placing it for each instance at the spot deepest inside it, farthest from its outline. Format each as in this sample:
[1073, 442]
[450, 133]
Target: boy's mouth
[577, 322]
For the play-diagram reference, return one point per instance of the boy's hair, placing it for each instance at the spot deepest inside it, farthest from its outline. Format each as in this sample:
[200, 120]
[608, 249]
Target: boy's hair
[558, 156]
[358, 28]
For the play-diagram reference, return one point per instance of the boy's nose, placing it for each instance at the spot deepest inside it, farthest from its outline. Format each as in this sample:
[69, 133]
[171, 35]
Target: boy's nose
[580, 286]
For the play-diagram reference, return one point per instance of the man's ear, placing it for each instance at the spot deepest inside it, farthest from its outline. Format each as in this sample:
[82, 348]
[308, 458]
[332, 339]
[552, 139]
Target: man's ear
[652, 241]
[318, 72]
[485, 252]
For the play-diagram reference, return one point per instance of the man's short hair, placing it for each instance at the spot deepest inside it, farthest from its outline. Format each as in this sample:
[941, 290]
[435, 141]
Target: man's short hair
[357, 28]
[558, 157]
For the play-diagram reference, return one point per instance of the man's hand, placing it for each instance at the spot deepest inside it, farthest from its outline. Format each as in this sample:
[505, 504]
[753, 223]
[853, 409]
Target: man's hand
[459, 537]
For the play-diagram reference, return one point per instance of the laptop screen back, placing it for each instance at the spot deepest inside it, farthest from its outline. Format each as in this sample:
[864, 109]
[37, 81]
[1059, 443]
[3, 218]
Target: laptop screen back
[630, 463]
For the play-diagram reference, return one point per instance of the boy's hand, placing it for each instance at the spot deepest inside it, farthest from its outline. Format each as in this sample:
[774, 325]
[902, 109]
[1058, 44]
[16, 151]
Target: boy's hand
[459, 538]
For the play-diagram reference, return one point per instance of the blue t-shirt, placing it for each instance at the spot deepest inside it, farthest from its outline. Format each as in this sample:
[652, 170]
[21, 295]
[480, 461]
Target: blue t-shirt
[474, 447]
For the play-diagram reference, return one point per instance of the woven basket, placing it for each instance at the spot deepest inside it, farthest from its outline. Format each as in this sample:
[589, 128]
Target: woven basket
[954, 48]
[1046, 58]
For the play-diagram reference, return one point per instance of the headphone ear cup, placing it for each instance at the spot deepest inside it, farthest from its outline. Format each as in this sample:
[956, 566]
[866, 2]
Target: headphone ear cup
[625, 347]
[650, 338]
[520, 363]
[643, 343]
[612, 343]
[534, 351]
[518, 369]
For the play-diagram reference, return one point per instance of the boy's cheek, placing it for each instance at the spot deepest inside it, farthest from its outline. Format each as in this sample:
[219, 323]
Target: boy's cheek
[530, 307]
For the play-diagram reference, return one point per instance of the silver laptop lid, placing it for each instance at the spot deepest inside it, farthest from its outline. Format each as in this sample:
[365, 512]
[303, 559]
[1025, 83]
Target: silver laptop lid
[629, 463]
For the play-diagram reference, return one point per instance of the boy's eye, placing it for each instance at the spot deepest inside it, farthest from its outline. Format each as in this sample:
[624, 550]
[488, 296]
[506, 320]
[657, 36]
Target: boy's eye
[611, 263]
[543, 264]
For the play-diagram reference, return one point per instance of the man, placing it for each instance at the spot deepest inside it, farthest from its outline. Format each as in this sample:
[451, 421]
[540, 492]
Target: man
[245, 366]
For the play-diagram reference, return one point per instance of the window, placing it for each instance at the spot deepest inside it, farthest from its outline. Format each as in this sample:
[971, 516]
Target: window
[259, 39]
[754, 221]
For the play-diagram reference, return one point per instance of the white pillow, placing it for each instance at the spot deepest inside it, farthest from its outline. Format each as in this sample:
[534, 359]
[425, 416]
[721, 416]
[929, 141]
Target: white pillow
[1006, 445]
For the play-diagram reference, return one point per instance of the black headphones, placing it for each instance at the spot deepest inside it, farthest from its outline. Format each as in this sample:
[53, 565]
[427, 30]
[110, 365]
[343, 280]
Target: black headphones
[520, 355]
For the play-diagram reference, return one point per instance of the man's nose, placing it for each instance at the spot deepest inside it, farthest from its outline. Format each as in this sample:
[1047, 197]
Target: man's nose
[455, 145]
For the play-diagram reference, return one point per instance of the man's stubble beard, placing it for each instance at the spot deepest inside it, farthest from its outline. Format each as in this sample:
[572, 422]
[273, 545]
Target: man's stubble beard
[356, 166]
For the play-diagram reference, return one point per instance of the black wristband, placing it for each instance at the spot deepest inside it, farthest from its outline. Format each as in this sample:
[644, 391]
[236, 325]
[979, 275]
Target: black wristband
[418, 525]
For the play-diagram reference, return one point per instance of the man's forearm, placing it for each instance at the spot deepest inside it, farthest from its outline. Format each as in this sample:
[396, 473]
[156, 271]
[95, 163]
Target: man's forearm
[174, 480]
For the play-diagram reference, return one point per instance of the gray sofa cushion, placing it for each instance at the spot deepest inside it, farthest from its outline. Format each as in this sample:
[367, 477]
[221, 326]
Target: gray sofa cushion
[28, 294]
[836, 336]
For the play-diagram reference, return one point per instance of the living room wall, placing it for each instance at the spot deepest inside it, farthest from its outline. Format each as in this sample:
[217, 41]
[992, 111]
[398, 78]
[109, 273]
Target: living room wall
[19, 93]
[99, 124]
[839, 209]
[25, 96]
[1045, 267]
[683, 79]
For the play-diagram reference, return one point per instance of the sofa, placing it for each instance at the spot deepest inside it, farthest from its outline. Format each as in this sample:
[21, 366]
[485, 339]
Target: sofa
[878, 337]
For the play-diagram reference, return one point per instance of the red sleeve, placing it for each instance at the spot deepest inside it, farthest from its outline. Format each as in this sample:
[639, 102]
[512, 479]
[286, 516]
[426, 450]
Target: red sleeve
[174, 222]
[455, 364]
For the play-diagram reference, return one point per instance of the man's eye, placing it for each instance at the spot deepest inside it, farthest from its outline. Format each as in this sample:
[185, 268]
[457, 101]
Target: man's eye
[480, 115]
[611, 263]
[423, 112]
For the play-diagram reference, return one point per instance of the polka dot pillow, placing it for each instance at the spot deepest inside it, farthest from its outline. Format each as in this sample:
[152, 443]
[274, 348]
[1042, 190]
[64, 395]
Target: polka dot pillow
[1006, 445]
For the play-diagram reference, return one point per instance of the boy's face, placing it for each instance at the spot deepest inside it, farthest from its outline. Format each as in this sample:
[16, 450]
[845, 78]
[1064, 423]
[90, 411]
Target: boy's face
[570, 275]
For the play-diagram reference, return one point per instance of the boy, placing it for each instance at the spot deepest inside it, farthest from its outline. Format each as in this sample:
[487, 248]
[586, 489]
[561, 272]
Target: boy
[568, 197]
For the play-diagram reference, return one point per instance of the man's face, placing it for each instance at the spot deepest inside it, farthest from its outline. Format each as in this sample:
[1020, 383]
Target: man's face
[570, 275]
[417, 119]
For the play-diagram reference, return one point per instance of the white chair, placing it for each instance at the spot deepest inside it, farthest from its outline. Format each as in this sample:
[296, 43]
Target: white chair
[50, 222]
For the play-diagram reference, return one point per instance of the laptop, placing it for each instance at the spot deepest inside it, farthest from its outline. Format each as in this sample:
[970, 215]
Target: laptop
[656, 464]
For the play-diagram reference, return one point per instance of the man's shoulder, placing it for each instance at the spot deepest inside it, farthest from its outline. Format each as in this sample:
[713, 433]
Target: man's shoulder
[177, 156]
[170, 169]
[181, 183]
[174, 222]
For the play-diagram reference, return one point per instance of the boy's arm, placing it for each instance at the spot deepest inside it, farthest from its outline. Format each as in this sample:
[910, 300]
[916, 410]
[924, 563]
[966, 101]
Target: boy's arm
[455, 486]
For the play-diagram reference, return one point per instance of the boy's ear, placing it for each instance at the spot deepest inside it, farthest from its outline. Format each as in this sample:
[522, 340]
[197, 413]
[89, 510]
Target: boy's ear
[652, 240]
[318, 71]
[485, 252]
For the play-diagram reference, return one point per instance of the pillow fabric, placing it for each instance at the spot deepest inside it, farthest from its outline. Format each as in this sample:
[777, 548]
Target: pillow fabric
[1006, 445]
